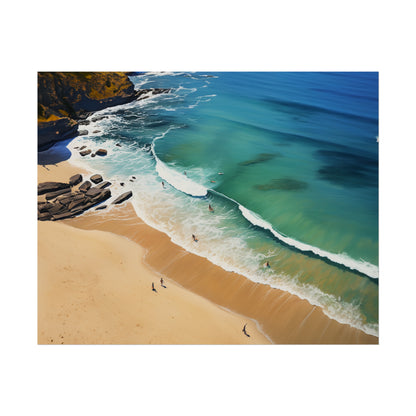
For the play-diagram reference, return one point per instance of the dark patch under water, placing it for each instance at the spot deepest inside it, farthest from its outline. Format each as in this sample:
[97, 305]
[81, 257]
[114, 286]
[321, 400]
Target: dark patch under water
[283, 184]
[347, 169]
[303, 110]
[262, 157]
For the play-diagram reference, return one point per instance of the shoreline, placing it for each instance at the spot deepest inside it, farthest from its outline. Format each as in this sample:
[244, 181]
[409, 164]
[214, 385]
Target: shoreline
[284, 317]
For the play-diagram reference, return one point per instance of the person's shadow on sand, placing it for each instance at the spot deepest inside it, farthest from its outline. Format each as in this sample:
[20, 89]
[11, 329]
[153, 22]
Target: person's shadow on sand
[245, 332]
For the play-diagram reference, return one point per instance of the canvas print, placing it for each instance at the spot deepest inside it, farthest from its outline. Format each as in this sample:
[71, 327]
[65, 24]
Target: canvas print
[208, 208]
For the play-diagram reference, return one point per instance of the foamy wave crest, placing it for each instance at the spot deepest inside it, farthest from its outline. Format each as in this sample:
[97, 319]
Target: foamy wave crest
[362, 266]
[179, 180]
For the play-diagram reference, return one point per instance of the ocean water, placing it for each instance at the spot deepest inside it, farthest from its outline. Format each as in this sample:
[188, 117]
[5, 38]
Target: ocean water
[287, 161]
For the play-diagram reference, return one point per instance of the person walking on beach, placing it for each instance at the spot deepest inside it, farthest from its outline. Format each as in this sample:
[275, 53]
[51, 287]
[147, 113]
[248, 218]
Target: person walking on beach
[161, 281]
[163, 185]
[153, 287]
[244, 330]
[194, 238]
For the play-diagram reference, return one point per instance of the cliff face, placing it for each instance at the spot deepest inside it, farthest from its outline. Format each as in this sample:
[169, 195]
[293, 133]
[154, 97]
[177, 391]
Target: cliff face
[65, 97]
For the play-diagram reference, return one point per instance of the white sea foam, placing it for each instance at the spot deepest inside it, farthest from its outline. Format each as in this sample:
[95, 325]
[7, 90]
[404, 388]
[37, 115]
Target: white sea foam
[178, 180]
[360, 265]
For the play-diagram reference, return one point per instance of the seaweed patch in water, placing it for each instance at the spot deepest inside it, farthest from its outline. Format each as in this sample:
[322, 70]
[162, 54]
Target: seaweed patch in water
[262, 157]
[282, 184]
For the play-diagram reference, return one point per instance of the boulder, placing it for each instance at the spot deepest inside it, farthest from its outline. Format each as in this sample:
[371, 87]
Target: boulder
[83, 122]
[92, 192]
[85, 186]
[101, 207]
[104, 195]
[65, 199]
[77, 211]
[46, 187]
[103, 185]
[53, 195]
[92, 154]
[76, 203]
[85, 152]
[123, 197]
[97, 195]
[82, 132]
[44, 216]
[82, 147]
[57, 208]
[101, 152]
[98, 118]
[96, 131]
[96, 178]
[44, 206]
[62, 216]
[75, 180]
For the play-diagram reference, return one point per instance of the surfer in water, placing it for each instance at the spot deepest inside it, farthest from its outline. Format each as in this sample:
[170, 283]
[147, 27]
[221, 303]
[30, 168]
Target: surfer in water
[163, 185]
[210, 208]
[185, 173]
[194, 238]
[267, 264]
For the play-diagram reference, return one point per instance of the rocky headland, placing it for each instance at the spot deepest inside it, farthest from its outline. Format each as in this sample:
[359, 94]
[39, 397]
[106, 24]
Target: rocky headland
[65, 99]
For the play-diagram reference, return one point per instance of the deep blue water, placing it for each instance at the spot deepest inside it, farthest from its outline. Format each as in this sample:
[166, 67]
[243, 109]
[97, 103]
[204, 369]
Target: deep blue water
[288, 162]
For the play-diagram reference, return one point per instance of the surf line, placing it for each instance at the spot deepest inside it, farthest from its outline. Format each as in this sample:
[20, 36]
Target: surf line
[177, 180]
[339, 260]
[183, 184]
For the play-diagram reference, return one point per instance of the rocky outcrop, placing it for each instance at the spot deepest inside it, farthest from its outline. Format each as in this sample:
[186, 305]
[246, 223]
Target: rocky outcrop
[46, 187]
[67, 202]
[55, 129]
[66, 99]
[53, 195]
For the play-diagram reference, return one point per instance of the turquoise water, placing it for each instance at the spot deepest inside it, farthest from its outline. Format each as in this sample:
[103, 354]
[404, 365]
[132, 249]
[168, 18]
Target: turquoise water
[288, 161]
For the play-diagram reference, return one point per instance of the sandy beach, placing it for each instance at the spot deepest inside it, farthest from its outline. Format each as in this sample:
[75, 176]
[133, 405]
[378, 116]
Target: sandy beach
[95, 276]
[94, 288]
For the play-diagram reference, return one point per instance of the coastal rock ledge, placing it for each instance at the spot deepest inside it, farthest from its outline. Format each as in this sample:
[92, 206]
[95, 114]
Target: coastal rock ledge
[60, 200]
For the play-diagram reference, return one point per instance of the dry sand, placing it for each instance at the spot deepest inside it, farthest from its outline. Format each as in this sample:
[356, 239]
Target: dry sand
[285, 318]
